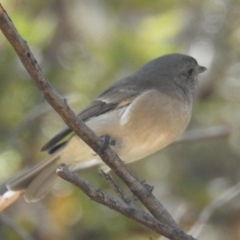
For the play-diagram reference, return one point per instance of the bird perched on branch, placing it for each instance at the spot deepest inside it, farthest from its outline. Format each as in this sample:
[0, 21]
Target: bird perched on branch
[141, 113]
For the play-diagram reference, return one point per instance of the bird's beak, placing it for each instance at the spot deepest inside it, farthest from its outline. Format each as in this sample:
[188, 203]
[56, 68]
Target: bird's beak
[201, 69]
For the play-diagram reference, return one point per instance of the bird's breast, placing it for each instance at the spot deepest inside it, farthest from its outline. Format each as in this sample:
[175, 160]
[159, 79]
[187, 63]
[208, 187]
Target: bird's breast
[151, 123]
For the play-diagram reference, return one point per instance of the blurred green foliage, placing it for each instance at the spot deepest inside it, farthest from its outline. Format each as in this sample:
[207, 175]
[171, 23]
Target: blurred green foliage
[83, 46]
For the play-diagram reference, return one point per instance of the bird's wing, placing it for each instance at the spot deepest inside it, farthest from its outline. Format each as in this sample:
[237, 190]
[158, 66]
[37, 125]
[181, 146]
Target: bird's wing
[117, 96]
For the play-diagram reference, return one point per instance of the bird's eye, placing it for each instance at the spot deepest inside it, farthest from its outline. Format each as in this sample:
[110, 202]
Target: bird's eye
[190, 72]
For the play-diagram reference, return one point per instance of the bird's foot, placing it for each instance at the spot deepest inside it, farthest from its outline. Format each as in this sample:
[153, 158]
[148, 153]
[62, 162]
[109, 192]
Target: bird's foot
[105, 142]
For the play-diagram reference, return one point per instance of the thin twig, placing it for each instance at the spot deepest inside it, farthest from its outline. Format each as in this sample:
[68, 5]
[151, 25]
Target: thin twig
[205, 215]
[117, 189]
[204, 134]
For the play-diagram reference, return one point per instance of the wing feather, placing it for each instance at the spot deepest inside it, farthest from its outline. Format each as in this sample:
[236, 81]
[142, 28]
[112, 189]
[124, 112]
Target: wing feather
[117, 96]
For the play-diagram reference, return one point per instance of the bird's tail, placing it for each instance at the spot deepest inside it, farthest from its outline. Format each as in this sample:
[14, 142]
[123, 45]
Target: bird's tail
[37, 181]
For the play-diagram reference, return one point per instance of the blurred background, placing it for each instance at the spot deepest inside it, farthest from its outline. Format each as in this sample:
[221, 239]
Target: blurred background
[83, 46]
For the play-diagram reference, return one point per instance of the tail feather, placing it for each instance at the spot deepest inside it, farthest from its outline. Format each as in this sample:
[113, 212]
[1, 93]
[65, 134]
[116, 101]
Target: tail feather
[36, 181]
[42, 183]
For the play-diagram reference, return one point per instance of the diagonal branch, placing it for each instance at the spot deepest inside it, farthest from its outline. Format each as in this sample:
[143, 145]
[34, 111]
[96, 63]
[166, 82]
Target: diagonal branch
[87, 135]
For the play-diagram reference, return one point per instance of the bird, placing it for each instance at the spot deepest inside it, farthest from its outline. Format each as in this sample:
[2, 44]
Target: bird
[141, 113]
